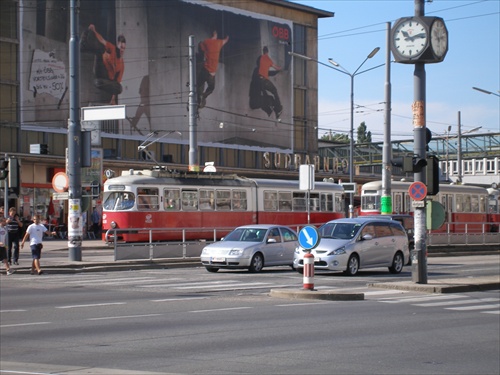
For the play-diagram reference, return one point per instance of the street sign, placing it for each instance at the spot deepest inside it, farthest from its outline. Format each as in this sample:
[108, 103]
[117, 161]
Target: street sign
[308, 237]
[60, 196]
[417, 191]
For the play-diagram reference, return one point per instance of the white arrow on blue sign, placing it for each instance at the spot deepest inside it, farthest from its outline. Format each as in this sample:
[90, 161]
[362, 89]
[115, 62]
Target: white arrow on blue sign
[309, 237]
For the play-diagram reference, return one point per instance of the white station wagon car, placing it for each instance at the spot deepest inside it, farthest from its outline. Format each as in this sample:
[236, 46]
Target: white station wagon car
[252, 247]
[351, 244]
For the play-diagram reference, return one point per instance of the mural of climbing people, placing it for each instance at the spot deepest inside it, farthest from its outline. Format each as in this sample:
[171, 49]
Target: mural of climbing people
[136, 53]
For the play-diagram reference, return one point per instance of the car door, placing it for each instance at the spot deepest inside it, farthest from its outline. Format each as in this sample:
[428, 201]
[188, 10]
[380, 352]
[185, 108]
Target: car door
[289, 244]
[273, 250]
[384, 251]
[367, 248]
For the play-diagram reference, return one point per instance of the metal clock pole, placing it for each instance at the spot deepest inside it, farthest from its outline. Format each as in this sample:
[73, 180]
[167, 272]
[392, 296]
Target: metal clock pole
[419, 258]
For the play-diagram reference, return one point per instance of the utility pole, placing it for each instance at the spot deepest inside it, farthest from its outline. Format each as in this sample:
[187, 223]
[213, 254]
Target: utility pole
[386, 199]
[74, 168]
[193, 108]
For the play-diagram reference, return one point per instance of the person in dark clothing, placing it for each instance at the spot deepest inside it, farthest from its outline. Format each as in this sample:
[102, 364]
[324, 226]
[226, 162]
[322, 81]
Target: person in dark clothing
[14, 225]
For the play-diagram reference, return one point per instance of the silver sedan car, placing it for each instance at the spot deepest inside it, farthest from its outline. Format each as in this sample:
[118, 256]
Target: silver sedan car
[252, 247]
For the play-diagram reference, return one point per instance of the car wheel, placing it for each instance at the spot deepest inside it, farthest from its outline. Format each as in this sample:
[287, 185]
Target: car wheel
[352, 265]
[212, 269]
[397, 263]
[257, 263]
[300, 270]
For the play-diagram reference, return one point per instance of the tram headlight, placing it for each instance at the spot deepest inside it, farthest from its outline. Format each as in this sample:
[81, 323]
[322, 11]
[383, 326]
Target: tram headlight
[113, 225]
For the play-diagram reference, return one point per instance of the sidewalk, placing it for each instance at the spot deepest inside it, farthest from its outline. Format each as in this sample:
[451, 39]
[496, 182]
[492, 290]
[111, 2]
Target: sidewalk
[96, 256]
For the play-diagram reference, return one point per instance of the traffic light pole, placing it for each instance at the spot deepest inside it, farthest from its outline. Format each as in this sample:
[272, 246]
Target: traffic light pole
[74, 168]
[419, 254]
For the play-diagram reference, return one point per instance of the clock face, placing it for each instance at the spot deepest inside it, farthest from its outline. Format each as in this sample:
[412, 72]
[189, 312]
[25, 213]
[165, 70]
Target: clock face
[410, 38]
[439, 38]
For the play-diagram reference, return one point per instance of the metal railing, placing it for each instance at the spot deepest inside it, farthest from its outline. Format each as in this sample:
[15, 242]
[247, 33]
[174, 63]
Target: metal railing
[479, 234]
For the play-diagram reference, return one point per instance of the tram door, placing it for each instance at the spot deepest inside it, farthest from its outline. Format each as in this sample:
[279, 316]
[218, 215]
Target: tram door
[447, 202]
[397, 207]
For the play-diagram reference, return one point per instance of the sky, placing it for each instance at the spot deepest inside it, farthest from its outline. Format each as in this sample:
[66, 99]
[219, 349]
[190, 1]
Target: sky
[473, 60]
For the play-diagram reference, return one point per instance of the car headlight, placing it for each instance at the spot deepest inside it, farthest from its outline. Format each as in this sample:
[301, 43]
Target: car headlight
[113, 225]
[299, 250]
[236, 252]
[204, 251]
[339, 251]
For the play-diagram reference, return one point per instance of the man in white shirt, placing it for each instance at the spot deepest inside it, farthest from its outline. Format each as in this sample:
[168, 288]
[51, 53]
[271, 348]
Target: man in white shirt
[35, 233]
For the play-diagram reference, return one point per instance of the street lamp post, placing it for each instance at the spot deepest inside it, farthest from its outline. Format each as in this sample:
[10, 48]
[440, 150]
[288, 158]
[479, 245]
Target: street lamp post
[351, 140]
[342, 70]
[486, 91]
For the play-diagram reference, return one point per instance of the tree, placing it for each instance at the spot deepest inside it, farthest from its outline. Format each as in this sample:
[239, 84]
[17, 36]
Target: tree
[337, 137]
[363, 135]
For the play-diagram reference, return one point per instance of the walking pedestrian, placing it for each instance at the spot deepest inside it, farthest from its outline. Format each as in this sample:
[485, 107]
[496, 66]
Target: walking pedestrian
[96, 222]
[35, 233]
[14, 225]
[3, 249]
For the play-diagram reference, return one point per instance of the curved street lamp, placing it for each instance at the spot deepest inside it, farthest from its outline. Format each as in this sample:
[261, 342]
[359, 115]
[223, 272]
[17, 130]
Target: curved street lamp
[339, 68]
[486, 91]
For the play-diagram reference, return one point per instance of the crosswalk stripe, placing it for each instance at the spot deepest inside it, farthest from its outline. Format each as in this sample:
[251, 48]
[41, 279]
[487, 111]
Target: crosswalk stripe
[478, 307]
[449, 303]
[418, 299]
[496, 312]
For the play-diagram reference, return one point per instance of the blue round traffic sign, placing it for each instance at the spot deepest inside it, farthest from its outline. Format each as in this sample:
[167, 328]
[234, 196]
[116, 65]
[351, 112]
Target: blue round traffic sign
[418, 191]
[309, 237]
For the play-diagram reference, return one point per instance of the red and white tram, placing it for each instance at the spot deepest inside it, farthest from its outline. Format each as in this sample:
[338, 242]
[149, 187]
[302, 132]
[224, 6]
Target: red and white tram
[152, 199]
[467, 208]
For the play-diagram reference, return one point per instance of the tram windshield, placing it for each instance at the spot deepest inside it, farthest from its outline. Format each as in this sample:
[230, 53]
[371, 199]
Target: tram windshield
[118, 201]
[370, 202]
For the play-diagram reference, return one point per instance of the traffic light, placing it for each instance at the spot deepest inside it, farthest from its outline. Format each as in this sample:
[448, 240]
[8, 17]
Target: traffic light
[14, 182]
[409, 164]
[4, 168]
[432, 175]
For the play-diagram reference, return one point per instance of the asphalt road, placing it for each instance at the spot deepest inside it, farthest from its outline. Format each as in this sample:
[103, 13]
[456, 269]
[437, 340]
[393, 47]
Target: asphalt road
[192, 321]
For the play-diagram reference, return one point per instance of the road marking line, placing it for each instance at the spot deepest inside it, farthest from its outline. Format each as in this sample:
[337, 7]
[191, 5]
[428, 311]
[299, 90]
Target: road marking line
[91, 305]
[177, 299]
[497, 312]
[24, 324]
[449, 303]
[478, 307]
[8, 311]
[226, 309]
[124, 317]
[417, 299]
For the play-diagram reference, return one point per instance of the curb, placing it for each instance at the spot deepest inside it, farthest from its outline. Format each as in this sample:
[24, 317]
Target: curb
[328, 295]
[439, 288]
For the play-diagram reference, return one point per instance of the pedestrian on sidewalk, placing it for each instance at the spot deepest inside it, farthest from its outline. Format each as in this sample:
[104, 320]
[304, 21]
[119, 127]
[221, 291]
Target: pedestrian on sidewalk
[35, 233]
[3, 249]
[14, 225]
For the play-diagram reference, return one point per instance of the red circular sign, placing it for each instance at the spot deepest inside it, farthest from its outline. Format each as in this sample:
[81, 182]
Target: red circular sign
[60, 182]
[418, 191]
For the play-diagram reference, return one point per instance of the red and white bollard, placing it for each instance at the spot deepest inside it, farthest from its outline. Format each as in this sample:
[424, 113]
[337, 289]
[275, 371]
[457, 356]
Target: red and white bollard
[309, 271]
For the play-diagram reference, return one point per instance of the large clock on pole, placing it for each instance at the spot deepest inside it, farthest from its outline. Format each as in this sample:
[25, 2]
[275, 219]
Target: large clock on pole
[419, 40]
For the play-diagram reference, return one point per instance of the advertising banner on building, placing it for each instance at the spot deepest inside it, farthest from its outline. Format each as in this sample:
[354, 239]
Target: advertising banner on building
[135, 53]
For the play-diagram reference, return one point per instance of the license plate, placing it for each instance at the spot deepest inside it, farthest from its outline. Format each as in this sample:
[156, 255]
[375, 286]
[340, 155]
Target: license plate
[218, 259]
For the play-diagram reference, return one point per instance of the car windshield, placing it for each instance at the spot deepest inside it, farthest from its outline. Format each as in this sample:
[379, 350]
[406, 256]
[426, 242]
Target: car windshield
[344, 231]
[246, 235]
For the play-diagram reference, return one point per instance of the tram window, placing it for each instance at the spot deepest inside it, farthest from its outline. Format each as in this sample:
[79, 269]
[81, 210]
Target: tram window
[408, 207]
[270, 202]
[189, 200]
[207, 200]
[239, 200]
[370, 202]
[147, 199]
[314, 202]
[119, 201]
[467, 203]
[223, 200]
[326, 202]
[339, 203]
[285, 200]
[172, 199]
[398, 203]
[493, 205]
[299, 201]
[474, 203]
[482, 203]
[459, 201]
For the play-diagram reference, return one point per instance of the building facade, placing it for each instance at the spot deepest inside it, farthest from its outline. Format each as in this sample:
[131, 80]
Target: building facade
[136, 53]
